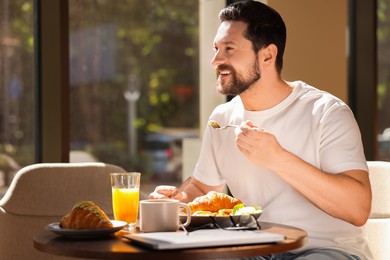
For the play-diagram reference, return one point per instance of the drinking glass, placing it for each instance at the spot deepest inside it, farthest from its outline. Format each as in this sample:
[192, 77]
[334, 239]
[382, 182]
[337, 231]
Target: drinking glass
[125, 196]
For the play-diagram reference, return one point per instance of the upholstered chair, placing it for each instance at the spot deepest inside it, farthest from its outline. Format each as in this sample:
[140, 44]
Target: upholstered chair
[377, 228]
[41, 194]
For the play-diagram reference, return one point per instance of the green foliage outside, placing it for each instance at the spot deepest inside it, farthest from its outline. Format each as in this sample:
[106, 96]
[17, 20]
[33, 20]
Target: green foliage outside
[153, 40]
[383, 38]
[17, 68]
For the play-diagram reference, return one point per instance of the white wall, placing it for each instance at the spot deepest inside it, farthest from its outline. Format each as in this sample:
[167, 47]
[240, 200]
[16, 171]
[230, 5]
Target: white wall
[209, 22]
[209, 96]
[317, 43]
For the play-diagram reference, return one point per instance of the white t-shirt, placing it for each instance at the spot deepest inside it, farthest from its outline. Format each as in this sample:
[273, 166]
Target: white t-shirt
[310, 123]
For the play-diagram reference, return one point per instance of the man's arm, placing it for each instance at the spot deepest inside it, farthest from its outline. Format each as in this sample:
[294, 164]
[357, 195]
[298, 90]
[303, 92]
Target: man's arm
[345, 195]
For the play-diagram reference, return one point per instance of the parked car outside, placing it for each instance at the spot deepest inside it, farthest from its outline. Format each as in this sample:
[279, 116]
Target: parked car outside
[165, 152]
[384, 145]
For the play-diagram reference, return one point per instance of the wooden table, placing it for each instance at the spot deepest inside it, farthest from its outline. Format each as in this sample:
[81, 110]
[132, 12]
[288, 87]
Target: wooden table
[116, 247]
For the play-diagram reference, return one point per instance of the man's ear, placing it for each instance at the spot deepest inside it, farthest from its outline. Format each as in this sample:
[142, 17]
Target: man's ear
[269, 53]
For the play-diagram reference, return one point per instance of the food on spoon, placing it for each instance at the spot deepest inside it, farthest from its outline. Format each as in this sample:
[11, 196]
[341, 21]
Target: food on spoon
[214, 124]
[213, 201]
[86, 215]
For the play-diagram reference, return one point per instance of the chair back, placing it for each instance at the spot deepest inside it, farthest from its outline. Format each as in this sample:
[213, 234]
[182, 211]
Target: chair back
[41, 194]
[377, 228]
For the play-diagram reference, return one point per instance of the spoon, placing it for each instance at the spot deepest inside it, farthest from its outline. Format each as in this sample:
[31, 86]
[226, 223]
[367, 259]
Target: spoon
[214, 124]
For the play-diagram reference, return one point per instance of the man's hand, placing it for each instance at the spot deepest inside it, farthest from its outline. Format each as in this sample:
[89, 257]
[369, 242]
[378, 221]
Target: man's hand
[166, 192]
[259, 146]
[188, 191]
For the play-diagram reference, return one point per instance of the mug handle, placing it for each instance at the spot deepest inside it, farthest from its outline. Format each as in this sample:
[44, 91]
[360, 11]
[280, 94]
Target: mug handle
[188, 221]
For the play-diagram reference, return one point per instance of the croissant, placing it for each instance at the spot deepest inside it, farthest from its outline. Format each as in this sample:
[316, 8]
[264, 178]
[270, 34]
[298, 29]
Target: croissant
[213, 201]
[86, 215]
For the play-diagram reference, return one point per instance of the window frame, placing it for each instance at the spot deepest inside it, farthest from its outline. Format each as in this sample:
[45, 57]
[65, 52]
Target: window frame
[52, 80]
[362, 74]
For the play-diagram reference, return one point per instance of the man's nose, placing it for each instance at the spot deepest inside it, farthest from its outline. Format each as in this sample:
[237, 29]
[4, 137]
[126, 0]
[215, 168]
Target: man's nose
[218, 59]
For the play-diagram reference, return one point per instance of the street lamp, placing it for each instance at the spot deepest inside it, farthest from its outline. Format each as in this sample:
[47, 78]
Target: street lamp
[132, 95]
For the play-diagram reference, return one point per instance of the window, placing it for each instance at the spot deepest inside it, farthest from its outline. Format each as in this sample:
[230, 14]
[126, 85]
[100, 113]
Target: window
[134, 84]
[383, 89]
[17, 88]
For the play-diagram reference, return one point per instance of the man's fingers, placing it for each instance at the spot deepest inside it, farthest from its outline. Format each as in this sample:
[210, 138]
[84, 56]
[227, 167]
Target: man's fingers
[156, 195]
[163, 192]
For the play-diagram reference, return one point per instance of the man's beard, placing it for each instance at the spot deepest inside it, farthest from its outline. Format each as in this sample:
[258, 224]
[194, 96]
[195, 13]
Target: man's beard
[239, 83]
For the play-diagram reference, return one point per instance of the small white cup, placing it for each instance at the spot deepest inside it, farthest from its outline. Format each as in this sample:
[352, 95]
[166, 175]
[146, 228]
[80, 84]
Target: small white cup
[159, 215]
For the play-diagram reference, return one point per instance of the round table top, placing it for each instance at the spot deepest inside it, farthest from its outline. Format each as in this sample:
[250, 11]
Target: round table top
[119, 247]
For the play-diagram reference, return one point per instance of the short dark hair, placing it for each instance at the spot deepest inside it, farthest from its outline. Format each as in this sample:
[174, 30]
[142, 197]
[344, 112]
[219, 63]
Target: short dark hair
[265, 26]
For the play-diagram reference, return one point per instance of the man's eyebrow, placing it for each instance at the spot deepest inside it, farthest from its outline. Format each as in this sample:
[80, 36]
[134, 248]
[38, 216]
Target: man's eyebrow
[230, 42]
[225, 43]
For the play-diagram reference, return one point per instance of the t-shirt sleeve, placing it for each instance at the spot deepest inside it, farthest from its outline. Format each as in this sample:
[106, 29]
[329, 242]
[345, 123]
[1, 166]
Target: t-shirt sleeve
[341, 146]
[206, 169]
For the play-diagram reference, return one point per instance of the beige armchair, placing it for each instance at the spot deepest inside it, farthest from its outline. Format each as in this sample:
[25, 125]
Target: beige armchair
[41, 194]
[377, 228]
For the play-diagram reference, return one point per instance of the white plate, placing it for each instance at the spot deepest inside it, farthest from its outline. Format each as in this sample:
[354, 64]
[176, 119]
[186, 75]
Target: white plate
[223, 221]
[86, 233]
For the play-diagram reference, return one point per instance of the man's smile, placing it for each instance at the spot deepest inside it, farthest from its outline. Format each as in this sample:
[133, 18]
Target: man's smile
[222, 71]
[223, 74]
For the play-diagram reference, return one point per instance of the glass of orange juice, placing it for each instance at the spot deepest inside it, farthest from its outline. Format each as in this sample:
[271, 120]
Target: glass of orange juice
[125, 196]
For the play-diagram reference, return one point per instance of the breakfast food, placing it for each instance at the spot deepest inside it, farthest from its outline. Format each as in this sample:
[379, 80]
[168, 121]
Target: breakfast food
[86, 215]
[221, 212]
[214, 124]
[213, 202]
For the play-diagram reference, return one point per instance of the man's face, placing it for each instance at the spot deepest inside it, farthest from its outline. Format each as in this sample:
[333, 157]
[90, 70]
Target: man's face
[236, 64]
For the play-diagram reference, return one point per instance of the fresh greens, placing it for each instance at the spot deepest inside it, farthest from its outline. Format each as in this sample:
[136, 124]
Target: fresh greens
[241, 209]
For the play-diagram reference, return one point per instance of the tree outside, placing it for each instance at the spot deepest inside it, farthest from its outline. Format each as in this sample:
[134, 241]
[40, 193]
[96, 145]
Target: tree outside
[383, 88]
[141, 50]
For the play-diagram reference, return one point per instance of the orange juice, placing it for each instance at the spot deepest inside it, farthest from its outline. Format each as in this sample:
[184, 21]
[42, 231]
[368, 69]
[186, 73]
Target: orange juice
[125, 204]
